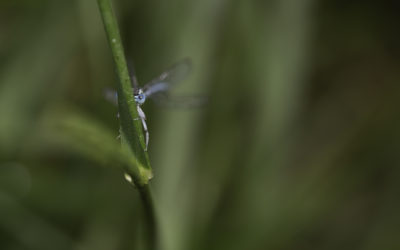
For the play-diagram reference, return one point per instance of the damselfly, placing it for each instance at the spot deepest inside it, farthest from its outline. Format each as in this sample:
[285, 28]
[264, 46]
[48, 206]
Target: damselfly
[157, 90]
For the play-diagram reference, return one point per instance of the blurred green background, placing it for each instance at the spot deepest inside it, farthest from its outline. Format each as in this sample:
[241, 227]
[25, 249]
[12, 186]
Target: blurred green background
[298, 147]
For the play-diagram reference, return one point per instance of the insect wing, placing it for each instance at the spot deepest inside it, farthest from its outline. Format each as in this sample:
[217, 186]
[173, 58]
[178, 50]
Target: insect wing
[111, 96]
[171, 76]
[132, 75]
[180, 102]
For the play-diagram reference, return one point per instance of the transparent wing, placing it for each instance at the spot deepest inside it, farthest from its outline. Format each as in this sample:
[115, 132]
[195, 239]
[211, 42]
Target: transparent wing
[111, 96]
[183, 102]
[132, 74]
[172, 75]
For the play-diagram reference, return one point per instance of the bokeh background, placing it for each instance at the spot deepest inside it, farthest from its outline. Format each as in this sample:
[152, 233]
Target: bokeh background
[297, 148]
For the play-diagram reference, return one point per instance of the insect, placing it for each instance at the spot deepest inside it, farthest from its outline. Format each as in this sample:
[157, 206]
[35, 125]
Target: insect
[157, 90]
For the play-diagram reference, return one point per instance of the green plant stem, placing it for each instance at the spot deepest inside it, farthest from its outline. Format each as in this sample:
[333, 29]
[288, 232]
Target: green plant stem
[147, 199]
[131, 127]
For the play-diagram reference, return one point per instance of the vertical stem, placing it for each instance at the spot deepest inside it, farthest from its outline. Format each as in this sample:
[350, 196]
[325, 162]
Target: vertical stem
[130, 124]
[147, 199]
[126, 103]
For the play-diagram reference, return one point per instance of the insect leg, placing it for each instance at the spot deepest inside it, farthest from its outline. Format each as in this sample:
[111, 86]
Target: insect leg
[143, 119]
[146, 131]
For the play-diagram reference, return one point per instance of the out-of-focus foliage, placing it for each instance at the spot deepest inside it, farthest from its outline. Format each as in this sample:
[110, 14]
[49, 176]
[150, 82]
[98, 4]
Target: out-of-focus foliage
[298, 147]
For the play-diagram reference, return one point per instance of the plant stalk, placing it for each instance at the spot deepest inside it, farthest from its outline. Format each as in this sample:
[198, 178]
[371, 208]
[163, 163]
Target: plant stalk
[131, 128]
